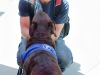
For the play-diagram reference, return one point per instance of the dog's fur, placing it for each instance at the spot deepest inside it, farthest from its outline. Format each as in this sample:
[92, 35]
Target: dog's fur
[41, 62]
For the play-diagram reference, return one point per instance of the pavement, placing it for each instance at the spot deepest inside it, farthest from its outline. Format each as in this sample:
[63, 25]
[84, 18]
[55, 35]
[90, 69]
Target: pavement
[83, 39]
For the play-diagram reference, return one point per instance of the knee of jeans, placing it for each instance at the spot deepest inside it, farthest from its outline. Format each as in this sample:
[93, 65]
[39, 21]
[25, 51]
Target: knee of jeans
[21, 49]
[18, 60]
[18, 63]
[65, 62]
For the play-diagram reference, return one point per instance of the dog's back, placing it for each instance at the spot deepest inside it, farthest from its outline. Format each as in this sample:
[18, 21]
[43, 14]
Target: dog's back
[41, 63]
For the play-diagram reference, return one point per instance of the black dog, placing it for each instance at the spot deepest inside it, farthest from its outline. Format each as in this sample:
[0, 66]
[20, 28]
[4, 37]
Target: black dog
[40, 57]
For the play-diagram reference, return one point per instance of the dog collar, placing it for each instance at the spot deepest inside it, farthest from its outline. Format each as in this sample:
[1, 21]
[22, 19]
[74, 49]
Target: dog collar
[36, 47]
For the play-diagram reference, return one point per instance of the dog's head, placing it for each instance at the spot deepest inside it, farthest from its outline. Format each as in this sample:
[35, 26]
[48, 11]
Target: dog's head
[42, 25]
[41, 29]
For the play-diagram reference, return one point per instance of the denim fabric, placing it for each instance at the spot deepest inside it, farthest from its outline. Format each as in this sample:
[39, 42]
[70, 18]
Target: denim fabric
[65, 58]
[64, 54]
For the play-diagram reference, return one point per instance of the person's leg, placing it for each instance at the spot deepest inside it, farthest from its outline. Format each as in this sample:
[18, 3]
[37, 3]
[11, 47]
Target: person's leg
[65, 58]
[21, 49]
[19, 71]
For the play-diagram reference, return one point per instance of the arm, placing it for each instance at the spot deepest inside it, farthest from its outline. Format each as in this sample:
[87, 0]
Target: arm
[61, 18]
[24, 24]
[58, 31]
[24, 18]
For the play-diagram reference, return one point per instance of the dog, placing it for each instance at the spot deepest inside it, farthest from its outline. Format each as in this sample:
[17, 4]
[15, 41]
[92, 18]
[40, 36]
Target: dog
[40, 57]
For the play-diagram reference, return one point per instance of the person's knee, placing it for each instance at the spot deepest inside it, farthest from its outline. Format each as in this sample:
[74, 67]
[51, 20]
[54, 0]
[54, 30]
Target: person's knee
[66, 62]
[18, 59]
[64, 54]
[21, 49]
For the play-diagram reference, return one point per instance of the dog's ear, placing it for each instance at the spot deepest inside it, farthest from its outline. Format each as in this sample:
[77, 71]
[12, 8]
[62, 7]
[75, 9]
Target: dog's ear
[51, 25]
[32, 28]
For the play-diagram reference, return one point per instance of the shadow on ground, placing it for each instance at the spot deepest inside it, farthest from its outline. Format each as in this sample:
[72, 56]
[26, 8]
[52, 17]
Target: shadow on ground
[1, 13]
[6, 70]
[73, 70]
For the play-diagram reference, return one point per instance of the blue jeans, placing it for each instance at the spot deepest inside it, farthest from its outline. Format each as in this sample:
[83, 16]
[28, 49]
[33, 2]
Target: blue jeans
[64, 54]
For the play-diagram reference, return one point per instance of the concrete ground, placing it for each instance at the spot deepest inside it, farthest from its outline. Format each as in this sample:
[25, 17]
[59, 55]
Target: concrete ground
[83, 39]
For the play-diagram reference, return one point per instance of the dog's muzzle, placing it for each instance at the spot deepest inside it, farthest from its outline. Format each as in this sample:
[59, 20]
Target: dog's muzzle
[36, 47]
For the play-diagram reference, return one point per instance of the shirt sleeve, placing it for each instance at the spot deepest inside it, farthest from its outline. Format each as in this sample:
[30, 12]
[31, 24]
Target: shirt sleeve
[62, 16]
[23, 8]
